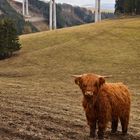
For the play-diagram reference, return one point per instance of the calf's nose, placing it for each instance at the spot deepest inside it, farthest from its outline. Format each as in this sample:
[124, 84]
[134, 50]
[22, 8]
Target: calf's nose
[89, 93]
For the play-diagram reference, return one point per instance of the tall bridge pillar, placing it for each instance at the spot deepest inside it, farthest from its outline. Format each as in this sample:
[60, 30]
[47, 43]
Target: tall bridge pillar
[25, 8]
[52, 21]
[97, 10]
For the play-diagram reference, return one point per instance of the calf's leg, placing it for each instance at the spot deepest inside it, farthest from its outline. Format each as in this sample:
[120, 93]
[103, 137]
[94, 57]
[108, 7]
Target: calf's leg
[124, 123]
[101, 130]
[92, 124]
[114, 124]
[93, 129]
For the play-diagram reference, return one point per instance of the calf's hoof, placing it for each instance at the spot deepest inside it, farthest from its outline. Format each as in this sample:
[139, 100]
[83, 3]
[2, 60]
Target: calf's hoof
[92, 135]
[101, 135]
[113, 131]
[124, 132]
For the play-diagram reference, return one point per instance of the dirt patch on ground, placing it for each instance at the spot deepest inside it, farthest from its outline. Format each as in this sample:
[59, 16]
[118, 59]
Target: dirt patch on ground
[36, 112]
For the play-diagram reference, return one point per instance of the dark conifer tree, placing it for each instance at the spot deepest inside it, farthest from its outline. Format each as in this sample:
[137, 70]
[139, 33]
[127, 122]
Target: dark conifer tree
[9, 41]
[127, 6]
[119, 6]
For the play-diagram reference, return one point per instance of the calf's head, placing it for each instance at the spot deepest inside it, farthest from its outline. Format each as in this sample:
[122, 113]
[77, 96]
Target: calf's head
[89, 83]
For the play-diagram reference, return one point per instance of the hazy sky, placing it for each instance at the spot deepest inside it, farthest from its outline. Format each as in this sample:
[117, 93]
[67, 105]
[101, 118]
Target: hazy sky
[80, 2]
[83, 2]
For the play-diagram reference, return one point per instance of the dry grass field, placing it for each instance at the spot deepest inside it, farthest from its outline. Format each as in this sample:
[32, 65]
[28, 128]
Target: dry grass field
[38, 97]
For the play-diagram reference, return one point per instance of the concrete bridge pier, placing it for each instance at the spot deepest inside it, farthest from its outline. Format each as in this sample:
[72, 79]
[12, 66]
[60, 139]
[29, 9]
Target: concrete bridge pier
[52, 19]
[97, 10]
[25, 8]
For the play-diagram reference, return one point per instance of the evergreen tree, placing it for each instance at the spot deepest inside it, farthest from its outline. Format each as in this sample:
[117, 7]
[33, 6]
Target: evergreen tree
[137, 6]
[9, 41]
[127, 6]
[119, 6]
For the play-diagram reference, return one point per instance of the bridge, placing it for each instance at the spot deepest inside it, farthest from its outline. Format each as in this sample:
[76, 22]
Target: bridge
[52, 16]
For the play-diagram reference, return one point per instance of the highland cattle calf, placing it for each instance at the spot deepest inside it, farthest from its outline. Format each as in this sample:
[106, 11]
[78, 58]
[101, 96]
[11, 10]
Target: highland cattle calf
[104, 102]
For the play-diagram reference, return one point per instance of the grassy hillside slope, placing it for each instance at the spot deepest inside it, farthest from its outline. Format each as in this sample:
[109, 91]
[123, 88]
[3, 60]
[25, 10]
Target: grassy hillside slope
[108, 48]
[38, 97]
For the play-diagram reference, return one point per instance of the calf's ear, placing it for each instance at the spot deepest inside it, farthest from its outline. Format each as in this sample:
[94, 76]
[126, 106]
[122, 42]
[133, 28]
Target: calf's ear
[77, 80]
[101, 80]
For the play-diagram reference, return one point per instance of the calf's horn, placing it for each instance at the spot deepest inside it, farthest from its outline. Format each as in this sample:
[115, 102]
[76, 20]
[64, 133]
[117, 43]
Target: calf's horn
[76, 76]
[108, 76]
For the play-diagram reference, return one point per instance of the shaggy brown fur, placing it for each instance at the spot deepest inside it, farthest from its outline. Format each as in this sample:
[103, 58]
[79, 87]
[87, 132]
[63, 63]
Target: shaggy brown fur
[104, 102]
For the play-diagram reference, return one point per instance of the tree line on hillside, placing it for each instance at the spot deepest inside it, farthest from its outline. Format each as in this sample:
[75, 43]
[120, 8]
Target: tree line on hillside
[67, 15]
[9, 41]
[127, 7]
[9, 13]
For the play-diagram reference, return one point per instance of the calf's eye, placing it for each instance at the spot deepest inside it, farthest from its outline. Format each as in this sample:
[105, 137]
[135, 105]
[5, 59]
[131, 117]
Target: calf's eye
[84, 85]
[95, 85]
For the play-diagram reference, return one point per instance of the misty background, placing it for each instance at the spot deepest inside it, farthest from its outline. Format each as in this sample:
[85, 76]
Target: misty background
[105, 4]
